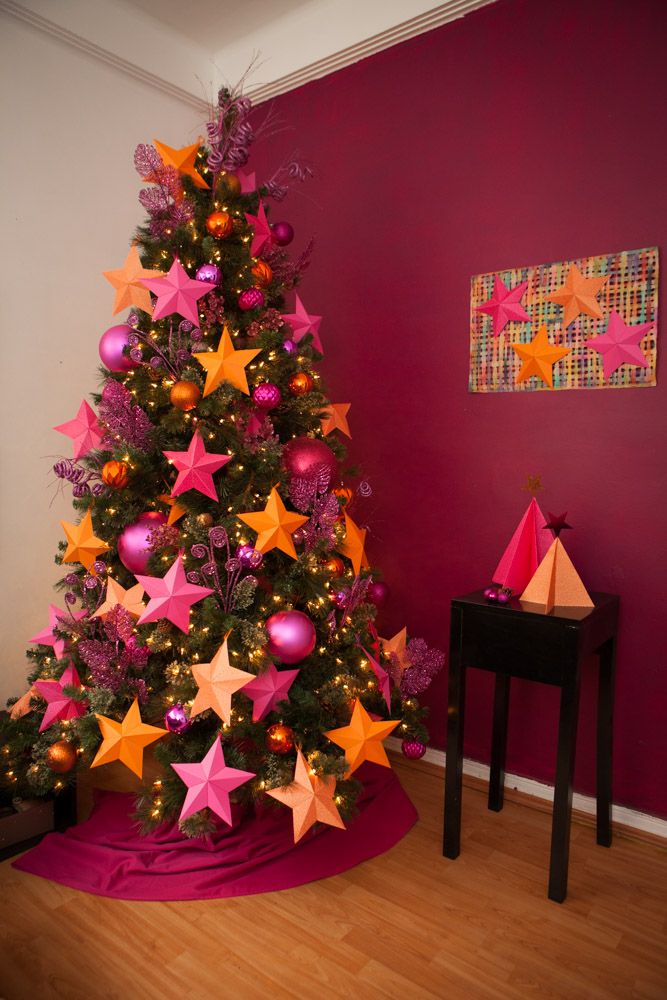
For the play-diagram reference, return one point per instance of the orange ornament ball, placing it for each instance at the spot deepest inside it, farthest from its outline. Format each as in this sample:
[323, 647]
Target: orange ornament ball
[280, 738]
[219, 224]
[205, 520]
[334, 565]
[185, 395]
[300, 384]
[227, 183]
[262, 274]
[61, 756]
[115, 474]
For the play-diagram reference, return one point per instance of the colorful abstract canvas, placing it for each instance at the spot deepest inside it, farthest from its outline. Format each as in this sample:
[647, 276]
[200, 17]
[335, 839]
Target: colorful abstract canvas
[590, 323]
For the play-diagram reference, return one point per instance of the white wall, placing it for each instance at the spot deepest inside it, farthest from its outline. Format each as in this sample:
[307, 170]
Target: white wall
[69, 207]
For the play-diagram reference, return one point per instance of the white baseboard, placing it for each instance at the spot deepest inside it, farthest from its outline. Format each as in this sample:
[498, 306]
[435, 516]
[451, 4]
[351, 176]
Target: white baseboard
[529, 786]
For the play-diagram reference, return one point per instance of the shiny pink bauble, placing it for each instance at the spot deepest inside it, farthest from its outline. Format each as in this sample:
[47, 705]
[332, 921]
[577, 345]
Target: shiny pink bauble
[266, 395]
[377, 593]
[111, 348]
[133, 542]
[283, 233]
[413, 749]
[305, 457]
[210, 273]
[176, 719]
[503, 597]
[251, 298]
[291, 636]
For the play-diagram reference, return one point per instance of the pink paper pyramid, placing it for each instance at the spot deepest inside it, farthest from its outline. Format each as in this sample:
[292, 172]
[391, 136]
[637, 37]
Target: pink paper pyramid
[527, 548]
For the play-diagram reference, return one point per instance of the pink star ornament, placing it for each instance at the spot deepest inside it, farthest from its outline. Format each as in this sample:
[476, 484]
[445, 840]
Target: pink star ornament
[619, 344]
[302, 323]
[209, 783]
[504, 306]
[177, 293]
[382, 677]
[196, 467]
[261, 231]
[84, 430]
[268, 690]
[59, 705]
[47, 636]
[171, 596]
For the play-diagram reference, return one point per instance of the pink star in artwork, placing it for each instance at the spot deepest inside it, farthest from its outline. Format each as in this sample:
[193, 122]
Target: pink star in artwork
[209, 783]
[504, 306]
[261, 231]
[382, 677]
[60, 706]
[196, 467]
[302, 323]
[618, 345]
[177, 293]
[84, 430]
[247, 180]
[171, 596]
[47, 636]
[268, 690]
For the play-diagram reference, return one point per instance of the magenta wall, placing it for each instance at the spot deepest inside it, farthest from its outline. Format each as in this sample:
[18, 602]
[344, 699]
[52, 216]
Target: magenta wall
[525, 133]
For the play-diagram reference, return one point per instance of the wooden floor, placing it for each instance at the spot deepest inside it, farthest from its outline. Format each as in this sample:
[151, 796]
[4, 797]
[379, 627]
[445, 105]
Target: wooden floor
[407, 925]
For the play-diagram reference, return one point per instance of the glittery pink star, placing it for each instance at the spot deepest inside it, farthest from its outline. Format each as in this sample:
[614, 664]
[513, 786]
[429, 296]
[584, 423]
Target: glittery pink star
[177, 293]
[382, 677]
[171, 596]
[195, 468]
[302, 323]
[84, 430]
[261, 231]
[60, 705]
[47, 636]
[268, 690]
[209, 783]
[504, 306]
[618, 345]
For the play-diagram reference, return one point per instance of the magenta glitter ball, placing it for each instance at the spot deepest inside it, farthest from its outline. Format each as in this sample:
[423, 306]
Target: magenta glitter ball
[304, 457]
[249, 557]
[209, 272]
[251, 298]
[413, 749]
[111, 348]
[283, 233]
[291, 636]
[267, 396]
[377, 593]
[133, 542]
[175, 719]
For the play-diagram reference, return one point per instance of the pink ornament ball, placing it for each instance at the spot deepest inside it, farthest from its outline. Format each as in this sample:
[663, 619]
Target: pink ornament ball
[283, 233]
[210, 273]
[413, 749]
[266, 396]
[134, 540]
[491, 594]
[251, 298]
[112, 343]
[503, 597]
[305, 457]
[249, 557]
[291, 636]
[175, 719]
[377, 593]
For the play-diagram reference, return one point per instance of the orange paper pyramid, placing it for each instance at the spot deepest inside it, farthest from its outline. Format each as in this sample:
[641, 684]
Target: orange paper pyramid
[526, 550]
[556, 583]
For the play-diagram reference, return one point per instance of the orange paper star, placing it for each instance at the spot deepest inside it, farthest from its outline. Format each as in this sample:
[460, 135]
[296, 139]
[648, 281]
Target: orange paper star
[539, 357]
[578, 295]
[182, 160]
[118, 596]
[217, 682]
[127, 282]
[176, 512]
[125, 741]
[274, 525]
[397, 646]
[82, 544]
[309, 797]
[335, 418]
[362, 738]
[226, 365]
[353, 544]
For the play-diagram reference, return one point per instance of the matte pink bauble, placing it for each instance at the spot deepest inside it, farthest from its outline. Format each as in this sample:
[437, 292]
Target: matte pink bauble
[111, 348]
[133, 542]
[291, 636]
[305, 457]
[377, 593]
[283, 233]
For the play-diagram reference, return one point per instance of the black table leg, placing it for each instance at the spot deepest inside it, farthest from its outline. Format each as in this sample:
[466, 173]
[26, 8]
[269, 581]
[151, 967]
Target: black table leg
[454, 762]
[562, 813]
[501, 707]
[607, 655]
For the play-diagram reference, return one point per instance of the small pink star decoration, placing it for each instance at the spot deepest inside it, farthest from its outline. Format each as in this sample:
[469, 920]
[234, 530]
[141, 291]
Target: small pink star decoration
[262, 234]
[209, 783]
[59, 705]
[195, 468]
[84, 430]
[171, 596]
[619, 344]
[47, 637]
[382, 677]
[504, 306]
[177, 293]
[302, 323]
[267, 690]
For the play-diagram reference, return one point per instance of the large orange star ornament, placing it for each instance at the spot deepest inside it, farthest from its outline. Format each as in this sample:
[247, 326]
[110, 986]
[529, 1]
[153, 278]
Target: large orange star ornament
[362, 738]
[578, 295]
[117, 596]
[353, 544]
[82, 544]
[335, 418]
[274, 525]
[217, 682]
[125, 741]
[182, 160]
[127, 282]
[397, 645]
[539, 357]
[226, 365]
[309, 797]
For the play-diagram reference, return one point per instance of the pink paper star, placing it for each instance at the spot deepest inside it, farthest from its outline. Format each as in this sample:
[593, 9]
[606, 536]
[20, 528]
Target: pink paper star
[261, 231]
[382, 677]
[209, 783]
[60, 705]
[302, 323]
[247, 180]
[177, 293]
[618, 345]
[505, 305]
[47, 637]
[84, 430]
[171, 596]
[195, 468]
[268, 690]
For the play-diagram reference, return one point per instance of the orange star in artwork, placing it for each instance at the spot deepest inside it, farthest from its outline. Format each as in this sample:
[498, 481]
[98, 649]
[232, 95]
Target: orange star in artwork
[118, 596]
[217, 682]
[309, 797]
[125, 741]
[274, 525]
[127, 282]
[353, 544]
[226, 365]
[82, 544]
[362, 738]
[397, 645]
[176, 512]
[578, 295]
[539, 357]
[335, 418]
[182, 159]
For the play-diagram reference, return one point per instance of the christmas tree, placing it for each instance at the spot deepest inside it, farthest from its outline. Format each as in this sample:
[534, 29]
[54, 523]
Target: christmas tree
[218, 604]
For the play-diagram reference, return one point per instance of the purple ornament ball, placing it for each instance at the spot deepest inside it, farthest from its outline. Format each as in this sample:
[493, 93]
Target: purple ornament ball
[377, 593]
[413, 749]
[112, 343]
[341, 598]
[133, 543]
[267, 396]
[210, 273]
[289, 347]
[251, 298]
[291, 636]
[503, 597]
[175, 719]
[491, 594]
[249, 557]
[283, 233]
[305, 457]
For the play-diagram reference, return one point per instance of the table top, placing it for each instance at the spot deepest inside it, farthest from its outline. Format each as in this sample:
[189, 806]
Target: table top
[516, 609]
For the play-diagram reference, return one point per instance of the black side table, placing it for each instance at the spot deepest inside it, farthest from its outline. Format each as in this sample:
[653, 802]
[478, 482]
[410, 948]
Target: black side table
[511, 641]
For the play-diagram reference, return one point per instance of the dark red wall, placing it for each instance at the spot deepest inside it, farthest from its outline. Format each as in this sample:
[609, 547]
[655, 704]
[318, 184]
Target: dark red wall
[526, 133]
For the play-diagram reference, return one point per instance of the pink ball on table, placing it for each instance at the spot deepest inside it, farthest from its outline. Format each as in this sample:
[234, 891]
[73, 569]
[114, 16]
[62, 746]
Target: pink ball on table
[291, 636]
[113, 341]
[134, 540]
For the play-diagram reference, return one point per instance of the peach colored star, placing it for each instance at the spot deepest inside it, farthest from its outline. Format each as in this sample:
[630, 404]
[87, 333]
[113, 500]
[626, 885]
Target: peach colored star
[130, 293]
[117, 596]
[217, 682]
[310, 798]
[397, 645]
[578, 295]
